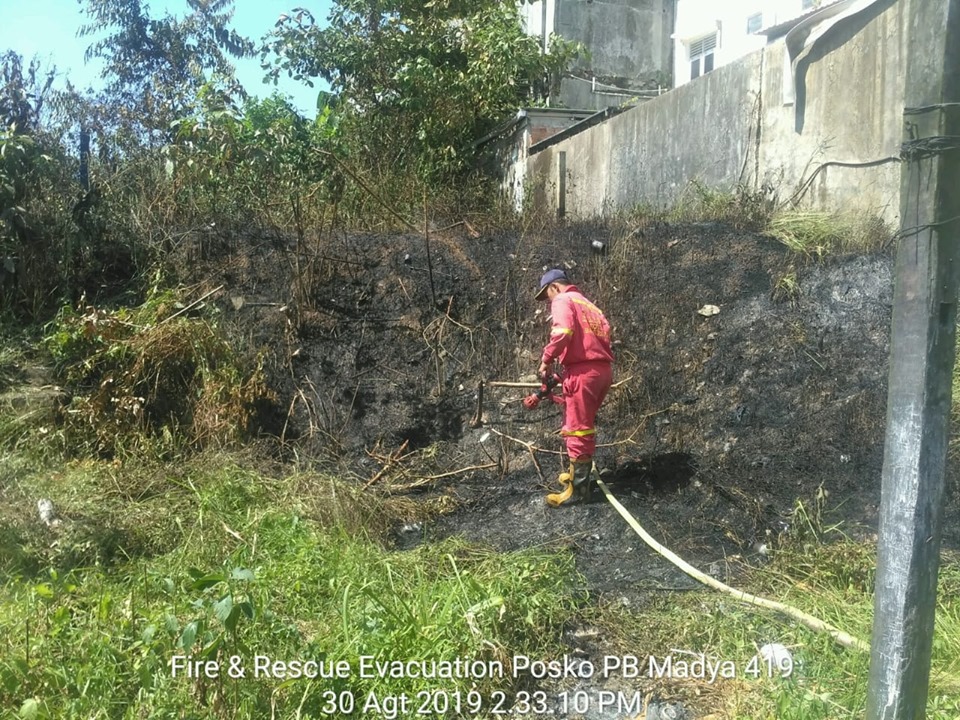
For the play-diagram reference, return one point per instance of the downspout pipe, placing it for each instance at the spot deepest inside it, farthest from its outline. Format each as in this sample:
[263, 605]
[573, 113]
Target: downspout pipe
[804, 36]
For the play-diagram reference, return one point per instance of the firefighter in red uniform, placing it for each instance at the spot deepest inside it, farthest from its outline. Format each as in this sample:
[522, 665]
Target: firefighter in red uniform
[580, 341]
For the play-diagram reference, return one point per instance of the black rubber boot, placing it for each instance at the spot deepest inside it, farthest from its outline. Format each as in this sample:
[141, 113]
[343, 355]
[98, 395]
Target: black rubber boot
[583, 479]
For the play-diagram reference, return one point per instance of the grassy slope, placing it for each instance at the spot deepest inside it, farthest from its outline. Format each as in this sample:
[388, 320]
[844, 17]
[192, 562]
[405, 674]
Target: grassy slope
[217, 560]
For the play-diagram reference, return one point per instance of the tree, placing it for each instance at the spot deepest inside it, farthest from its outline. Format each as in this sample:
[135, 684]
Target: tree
[156, 67]
[418, 81]
[36, 186]
[22, 94]
[255, 162]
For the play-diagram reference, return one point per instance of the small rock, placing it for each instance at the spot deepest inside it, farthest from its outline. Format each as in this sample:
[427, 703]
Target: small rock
[777, 657]
[667, 711]
[48, 516]
[709, 310]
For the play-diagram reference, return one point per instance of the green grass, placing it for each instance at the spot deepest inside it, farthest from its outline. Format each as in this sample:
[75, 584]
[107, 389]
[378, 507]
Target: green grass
[740, 207]
[214, 559]
[833, 582]
[816, 235]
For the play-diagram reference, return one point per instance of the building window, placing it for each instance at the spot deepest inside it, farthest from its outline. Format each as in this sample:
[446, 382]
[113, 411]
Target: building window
[809, 4]
[754, 23]
[701, 55]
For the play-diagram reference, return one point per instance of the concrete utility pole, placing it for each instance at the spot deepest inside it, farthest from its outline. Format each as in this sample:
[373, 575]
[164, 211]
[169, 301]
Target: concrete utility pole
[921, 362]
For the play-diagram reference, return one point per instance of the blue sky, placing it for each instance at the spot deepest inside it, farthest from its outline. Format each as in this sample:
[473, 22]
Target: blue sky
[48, 29]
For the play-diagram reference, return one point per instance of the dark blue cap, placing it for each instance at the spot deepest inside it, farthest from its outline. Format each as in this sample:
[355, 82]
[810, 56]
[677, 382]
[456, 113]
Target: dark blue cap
[551, 276]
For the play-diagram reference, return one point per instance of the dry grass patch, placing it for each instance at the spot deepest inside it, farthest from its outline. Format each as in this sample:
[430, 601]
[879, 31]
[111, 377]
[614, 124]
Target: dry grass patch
[815, 235]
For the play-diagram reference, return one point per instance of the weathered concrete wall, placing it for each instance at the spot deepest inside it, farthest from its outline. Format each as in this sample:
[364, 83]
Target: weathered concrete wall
[629, 43]
[848, 111]
[703, 130]
[837, 141]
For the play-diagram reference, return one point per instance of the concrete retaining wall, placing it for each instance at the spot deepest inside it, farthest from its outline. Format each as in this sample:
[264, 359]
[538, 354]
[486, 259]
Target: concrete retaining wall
[834, 138]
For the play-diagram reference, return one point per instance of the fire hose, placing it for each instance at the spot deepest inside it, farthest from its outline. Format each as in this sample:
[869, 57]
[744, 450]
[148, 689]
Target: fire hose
[805, 619]
[545, 390]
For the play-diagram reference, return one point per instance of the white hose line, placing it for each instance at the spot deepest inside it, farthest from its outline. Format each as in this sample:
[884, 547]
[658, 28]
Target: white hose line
[808, 620]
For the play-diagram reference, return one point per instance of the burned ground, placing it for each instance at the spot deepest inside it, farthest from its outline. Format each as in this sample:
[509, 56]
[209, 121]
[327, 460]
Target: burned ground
[719, 427]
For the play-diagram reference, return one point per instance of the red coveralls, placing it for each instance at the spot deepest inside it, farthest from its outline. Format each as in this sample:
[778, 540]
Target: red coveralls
[580, 340]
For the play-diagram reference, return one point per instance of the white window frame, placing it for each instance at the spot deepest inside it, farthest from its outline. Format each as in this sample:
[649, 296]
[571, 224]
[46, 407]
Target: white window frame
[699, 50]
[756, 18]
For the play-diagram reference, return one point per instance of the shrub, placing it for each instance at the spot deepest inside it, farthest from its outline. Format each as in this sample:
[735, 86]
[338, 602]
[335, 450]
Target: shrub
[149, 378]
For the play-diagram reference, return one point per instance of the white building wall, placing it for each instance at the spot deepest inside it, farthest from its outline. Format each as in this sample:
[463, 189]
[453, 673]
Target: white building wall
[628, 42]
[533, 19]
[698, 19]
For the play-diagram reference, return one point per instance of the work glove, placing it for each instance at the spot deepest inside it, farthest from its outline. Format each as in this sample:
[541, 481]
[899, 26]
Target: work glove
[532, 401]
[547, 384]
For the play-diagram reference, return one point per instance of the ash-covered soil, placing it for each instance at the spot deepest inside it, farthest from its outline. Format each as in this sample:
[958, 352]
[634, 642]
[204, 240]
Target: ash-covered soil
[718, 428]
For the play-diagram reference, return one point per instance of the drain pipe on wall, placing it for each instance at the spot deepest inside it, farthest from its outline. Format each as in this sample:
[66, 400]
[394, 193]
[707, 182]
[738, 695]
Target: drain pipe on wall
[809, 621]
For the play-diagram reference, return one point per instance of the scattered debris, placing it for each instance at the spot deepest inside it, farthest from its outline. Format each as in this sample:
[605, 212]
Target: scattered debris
[777, 658]
[666, 711]
[48, 515]
[709, 310]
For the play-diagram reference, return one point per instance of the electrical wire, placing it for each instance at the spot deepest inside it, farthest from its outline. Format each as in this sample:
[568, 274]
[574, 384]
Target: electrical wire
[929, 146]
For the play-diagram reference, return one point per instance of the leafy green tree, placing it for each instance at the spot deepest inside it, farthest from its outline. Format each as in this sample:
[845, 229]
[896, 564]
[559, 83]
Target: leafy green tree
[258, 160]
[156, 66]
[23, 92]
[418, 82]
[36, 190]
